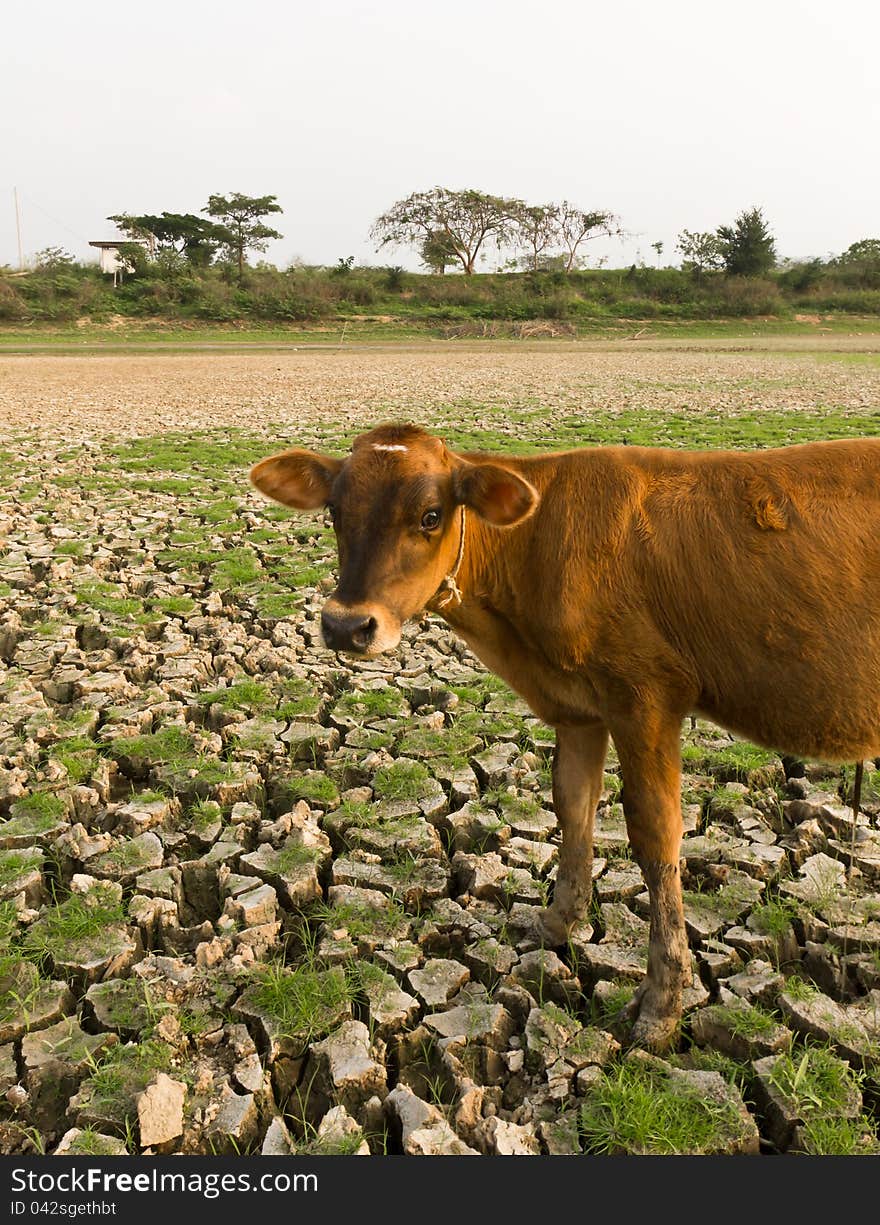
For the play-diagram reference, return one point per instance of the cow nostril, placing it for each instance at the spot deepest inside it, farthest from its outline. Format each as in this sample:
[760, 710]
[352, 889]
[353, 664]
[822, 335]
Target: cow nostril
[347, 632]
[329, 628]
[363, 633]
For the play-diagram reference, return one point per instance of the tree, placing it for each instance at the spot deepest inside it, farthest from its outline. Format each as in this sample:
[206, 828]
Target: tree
[658, 247]
[701, 251]
[747, 247]
[462, 220]
[241, 216]
[185, 234]
[436, 252]
[860, 263]
[865, 251]
[537, 227]
[53, 259]
[575, 227]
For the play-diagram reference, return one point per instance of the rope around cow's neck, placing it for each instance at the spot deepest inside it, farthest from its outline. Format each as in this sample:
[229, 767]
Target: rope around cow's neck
[449, 585]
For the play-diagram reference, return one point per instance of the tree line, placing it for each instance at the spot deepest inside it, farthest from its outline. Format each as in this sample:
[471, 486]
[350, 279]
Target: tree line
[452, 229]
[196, 266]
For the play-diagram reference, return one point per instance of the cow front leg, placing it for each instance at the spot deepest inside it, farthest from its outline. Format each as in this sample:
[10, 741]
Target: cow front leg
[577, 784]
[651, 770]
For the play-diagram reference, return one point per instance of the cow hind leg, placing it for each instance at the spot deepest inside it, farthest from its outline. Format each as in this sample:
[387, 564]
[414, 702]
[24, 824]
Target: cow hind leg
[577, 784]
[652, 805]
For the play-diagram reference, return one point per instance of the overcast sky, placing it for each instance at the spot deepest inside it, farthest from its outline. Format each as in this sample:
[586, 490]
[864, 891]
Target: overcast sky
[672, 113]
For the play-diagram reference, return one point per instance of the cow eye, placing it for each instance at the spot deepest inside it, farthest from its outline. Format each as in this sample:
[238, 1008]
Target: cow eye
[430, 520]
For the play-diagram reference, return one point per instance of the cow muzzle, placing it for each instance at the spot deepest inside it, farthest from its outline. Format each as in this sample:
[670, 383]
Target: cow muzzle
[361, 631]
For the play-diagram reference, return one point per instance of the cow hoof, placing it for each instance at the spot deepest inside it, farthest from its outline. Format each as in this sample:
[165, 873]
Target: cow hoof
[654, 1033]
[552, 929]
[653, 1026]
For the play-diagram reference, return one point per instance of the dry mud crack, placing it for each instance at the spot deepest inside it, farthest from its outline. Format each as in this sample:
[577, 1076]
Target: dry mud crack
[256, 899]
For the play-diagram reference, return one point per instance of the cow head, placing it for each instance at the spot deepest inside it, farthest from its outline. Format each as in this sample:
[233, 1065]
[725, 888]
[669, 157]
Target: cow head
[394, 504]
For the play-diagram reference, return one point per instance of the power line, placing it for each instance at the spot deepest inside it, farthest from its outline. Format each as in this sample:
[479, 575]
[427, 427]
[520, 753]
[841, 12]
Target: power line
[54, 220]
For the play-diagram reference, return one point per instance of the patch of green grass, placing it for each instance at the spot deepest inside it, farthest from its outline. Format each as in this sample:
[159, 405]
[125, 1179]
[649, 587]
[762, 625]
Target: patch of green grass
[468, 693]
[164, 484]
[125, 854]
[123, 1073]
[488, 725]
[92, 1143]
[297, 697]
[109, 598]
[840, 1137]
[746, 1022]
[303, 1001]
[297, 576]
[78, 755]
[801, 989]
[368, 704]
[175, 605]
[274, 604]
[402, 780]
[370, 740]
[75, 922]
[168, 745]
[129, 1004]
[814, 1082]
[211, 771]
[47, 629]
[244, 694]
[238, 568]
[449, 743]
[737, 761]
[605, 1011]
[513, 807]
[42, 807]
[9, 926]
[204, 814]
[221, 511]
[13, 865]
[331, 1146]
[186, 535]
[313, 788]
[295, 856]
[70, 548]
[194, 1021]
[682, 428]
[215, 453]
[355, 812]
[148, 797]
[390, 921]
[20, 986]
[639, 1109]
[773, 917]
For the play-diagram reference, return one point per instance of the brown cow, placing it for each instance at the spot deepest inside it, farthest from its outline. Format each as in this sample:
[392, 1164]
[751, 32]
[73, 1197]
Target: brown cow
[619, 589]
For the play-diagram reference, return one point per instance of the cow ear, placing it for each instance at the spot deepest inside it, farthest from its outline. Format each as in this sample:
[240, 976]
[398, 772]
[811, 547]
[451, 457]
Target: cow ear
[300, 479]
[496, 494]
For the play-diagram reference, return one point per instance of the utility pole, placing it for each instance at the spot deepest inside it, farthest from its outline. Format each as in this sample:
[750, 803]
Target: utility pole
[18, 229]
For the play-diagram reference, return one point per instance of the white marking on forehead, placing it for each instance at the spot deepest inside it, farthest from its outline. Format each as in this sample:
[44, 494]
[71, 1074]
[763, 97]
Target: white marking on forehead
[384, 446]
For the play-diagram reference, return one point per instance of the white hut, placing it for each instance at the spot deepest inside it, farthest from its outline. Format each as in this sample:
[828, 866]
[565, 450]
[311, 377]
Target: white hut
[110, 259]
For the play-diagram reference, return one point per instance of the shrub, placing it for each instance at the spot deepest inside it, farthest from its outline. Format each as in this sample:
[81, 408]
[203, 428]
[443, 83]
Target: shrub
[854, 302]
[738, 295]
[12, 304]
[801, 276]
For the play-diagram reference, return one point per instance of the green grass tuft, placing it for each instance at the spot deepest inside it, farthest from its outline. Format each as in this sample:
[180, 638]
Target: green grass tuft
[637, 1109]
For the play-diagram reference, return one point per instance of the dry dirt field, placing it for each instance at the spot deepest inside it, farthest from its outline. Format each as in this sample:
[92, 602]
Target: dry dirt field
[257, 899]
[97, 394]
